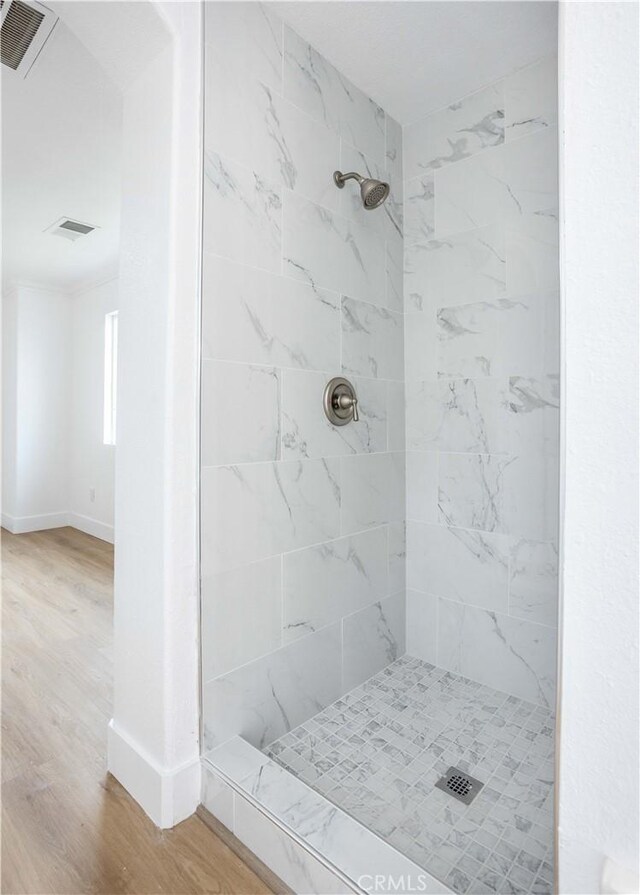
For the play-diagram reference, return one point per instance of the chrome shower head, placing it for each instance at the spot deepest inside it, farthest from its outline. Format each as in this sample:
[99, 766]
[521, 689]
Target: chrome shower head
[373, 192]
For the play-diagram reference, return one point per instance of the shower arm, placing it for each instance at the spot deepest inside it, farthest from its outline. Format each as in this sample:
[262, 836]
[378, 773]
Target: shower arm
[340, 179]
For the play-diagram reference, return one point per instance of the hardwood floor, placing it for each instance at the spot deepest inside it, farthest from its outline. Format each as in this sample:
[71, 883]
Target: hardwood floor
[67, 825]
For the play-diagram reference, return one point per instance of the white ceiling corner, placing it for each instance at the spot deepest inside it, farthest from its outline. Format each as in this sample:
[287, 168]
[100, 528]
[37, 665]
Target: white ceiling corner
[418, 56]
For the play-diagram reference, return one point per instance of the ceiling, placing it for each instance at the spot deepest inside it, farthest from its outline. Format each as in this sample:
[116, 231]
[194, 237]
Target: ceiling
[415, 57]
[61, 135]
[62, 125]
[61, 141]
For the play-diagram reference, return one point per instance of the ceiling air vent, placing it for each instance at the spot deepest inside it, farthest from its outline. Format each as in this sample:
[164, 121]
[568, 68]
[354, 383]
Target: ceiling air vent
[23, 32]
[70, 229]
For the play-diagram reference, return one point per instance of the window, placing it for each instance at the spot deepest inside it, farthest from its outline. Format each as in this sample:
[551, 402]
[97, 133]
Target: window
[110, 378]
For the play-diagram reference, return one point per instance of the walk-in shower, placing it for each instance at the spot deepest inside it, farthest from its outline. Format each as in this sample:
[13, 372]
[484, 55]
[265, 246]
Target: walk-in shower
[379, 508]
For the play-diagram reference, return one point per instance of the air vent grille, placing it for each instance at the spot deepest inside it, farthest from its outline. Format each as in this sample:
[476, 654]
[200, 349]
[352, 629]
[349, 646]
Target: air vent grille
[76, 227]
[19, 28]
[69, 229]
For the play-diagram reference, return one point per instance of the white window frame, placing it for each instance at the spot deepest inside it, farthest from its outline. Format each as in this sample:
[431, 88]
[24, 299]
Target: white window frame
[110, 377]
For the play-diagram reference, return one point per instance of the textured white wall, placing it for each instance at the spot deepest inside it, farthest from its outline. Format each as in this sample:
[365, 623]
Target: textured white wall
[598, 758]
[153, 743]
[91, 461]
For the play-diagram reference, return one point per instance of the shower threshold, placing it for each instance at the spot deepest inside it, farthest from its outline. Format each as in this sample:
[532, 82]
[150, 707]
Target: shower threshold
[378, 752]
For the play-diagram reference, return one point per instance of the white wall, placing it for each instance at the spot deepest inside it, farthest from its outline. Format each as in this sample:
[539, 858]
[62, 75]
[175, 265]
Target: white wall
[9, 403]
[37, 404]
[153, 742]
[598, 752]
[92, 463]
[53, 380]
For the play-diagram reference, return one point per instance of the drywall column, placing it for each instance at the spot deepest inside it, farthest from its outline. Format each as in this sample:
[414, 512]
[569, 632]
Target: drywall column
[598, 754]
[153, 737]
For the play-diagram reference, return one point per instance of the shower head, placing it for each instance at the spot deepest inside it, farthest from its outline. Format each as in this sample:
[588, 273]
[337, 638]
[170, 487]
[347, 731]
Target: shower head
[373, 192]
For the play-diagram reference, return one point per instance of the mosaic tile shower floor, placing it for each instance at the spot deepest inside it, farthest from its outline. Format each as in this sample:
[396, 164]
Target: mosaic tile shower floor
[378, 751]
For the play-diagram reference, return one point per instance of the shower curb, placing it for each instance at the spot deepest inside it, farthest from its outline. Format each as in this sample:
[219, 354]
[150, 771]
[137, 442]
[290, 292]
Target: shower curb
[312, 845]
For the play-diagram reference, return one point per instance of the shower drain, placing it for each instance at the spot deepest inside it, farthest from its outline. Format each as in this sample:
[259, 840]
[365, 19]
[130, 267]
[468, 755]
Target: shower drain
[460, 785]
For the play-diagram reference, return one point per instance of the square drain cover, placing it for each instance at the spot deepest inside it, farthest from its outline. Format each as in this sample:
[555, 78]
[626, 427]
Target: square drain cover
[460, 785]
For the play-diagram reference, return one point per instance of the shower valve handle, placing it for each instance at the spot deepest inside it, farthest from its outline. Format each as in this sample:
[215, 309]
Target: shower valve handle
[347, 402]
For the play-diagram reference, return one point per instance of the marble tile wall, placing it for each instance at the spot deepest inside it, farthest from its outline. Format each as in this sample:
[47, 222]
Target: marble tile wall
[482, 388]
[302, 524]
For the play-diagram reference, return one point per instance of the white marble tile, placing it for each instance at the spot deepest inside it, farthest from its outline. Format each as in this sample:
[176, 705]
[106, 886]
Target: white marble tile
[531, 98]
[236, 759]
[498, 338]
[295, 866]
[422, 486]
[394, 274]
[469, 339]
[530, 504]
[373, 638]
[533, 585]
[254, 511]
[422, 626]
[529, 335]
[394, 149]
[394, 794]
[471, 491]
[396, 416]
[357, 851]
[397, 557]
[500, 493]
[240, 413]
[420, 346]
[217, 797]
[419, 209]
[531, 173]
[245, 38]
[499, 185]
[241, 209]
[264, 699]
[269, 135]
[371, 341]
[532, 249]
[457, 268]
[469, 566]
[306, 432]
[286, 795]
[326, 582]
[458, 415]
[328, 250]
[252, 316]
[517, 656]
[456, 132]
[319, 89]
[372, 490]
[533, 415]
[229, 600]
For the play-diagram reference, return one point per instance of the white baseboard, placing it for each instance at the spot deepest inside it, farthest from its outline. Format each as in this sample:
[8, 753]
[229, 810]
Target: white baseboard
[91, 526]
[167, 796]
[19, 525]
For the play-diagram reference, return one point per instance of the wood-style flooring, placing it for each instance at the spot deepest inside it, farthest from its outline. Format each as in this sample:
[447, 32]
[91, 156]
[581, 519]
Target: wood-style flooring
[67, 825]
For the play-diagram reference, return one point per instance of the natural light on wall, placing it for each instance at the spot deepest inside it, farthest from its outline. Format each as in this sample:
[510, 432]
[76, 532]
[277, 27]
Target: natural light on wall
[110, 378]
